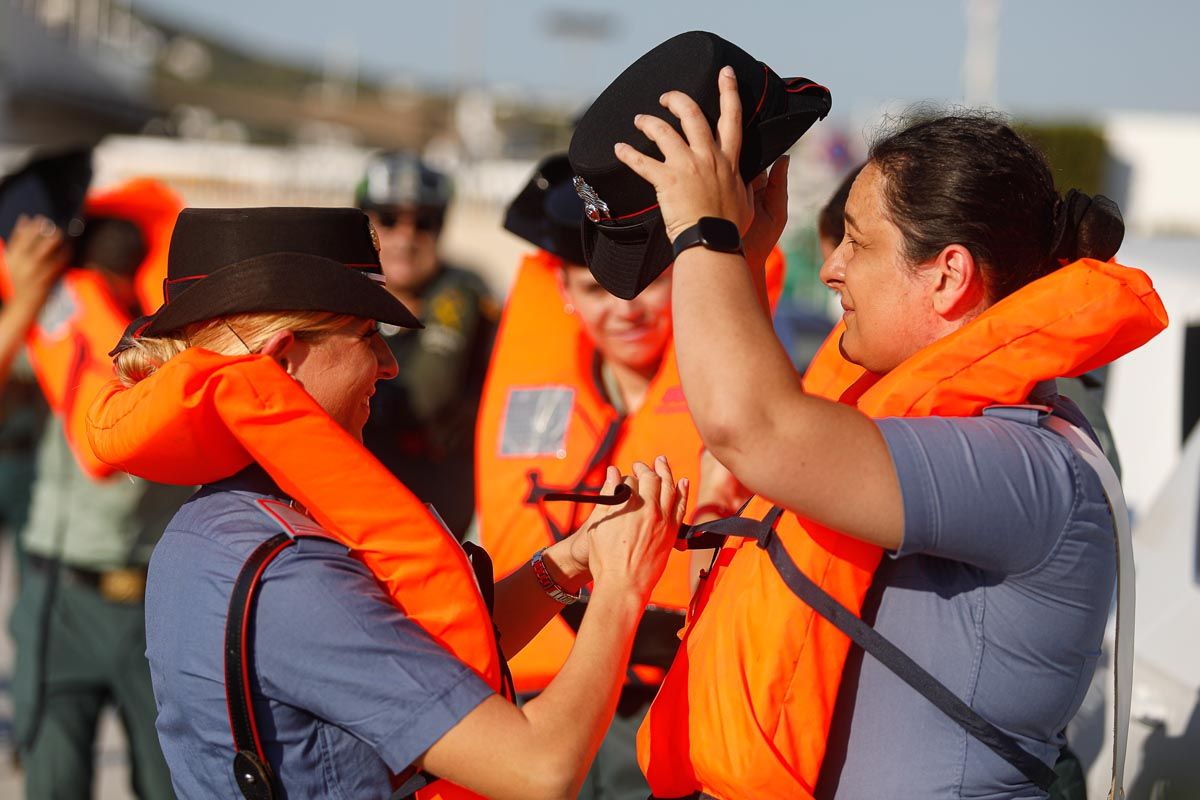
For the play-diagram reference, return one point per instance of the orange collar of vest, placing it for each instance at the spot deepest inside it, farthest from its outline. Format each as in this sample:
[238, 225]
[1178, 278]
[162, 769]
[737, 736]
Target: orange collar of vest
[1077, 318]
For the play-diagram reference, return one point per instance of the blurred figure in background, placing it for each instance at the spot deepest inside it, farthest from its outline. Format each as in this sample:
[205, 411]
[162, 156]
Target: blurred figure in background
[78, 624]
[831, 220]
[422, 424]
[22, 409]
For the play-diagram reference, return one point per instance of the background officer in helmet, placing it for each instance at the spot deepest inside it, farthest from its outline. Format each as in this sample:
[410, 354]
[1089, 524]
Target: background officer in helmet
[423, 421]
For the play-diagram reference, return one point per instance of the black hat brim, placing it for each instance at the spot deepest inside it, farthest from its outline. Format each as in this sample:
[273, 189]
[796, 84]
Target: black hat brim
[627, 259]
[280, 282]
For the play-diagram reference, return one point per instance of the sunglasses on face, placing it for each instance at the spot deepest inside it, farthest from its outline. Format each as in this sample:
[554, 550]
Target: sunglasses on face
[426, 220]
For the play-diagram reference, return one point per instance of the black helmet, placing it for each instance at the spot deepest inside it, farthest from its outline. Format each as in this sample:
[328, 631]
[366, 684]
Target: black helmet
[396, 179]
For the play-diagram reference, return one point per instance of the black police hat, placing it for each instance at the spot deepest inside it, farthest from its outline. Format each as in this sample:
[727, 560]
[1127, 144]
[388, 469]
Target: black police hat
[236, 260]
[548, 213]
[623, 238]
[50, 184]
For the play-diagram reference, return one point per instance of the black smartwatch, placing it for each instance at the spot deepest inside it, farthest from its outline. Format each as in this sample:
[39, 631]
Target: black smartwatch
[712, 233]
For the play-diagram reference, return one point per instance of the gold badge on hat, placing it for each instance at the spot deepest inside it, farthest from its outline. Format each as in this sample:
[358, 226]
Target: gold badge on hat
[374, 236]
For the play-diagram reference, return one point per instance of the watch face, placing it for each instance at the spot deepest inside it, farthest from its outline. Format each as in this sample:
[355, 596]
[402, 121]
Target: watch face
[719, 234]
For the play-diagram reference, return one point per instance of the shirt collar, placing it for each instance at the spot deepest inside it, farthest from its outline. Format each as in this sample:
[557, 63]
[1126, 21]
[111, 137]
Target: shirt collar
[252, 479]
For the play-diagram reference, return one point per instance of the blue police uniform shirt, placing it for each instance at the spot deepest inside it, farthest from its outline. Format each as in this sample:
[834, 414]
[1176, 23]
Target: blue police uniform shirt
[347, 690]
[1001, 589]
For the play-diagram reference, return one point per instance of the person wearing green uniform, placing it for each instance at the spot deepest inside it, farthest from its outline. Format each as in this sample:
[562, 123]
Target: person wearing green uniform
[22, 414]
[422, 425]
[78, 624]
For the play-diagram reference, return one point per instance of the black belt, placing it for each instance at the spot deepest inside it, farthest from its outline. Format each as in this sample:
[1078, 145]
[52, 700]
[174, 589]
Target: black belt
[656, 639]
[121, 585]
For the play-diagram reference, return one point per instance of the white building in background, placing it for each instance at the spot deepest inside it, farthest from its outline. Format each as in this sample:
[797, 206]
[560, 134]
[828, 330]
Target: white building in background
[1155, 170]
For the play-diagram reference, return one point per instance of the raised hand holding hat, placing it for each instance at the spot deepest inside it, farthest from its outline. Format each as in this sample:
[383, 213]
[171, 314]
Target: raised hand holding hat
[699, 177]
[624, 238]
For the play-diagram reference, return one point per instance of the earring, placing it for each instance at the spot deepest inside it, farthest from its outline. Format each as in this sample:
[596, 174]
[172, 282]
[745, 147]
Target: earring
[568, 308]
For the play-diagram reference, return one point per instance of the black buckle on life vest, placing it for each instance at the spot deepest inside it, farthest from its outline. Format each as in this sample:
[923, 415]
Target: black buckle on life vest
[711, 534]
[580, 491]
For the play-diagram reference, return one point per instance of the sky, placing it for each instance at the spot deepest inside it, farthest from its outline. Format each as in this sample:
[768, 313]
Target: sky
[1067, 58]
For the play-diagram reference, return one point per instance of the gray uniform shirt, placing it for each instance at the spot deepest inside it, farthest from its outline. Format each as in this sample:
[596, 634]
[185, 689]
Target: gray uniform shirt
[1001, 589]
[346, 688]
[93, 524]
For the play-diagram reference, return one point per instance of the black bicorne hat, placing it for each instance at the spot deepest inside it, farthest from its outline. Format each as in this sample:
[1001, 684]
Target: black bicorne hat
[548, 213]
[50, 184]
[237, 260]
[623, 238]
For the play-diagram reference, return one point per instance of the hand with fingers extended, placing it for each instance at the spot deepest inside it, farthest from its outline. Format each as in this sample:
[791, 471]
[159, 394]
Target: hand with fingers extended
[699, 176]
[627, 546]
[35, 256]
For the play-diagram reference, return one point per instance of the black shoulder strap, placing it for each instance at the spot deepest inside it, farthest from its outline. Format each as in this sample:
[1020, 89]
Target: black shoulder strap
[881, 648]
[250, 767]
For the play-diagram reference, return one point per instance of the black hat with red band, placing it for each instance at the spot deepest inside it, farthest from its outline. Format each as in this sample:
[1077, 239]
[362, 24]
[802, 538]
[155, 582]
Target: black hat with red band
[623, 238]
[236, 260]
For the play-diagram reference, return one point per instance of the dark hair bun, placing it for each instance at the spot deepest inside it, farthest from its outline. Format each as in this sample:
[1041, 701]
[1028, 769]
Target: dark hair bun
[1087, 227]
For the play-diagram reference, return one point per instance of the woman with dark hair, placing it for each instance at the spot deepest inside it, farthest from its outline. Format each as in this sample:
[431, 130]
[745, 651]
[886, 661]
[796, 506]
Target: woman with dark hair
[1000, 540]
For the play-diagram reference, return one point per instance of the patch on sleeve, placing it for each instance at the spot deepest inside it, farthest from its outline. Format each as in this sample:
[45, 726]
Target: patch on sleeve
[291, 521]
[536, 420]
[449, 308]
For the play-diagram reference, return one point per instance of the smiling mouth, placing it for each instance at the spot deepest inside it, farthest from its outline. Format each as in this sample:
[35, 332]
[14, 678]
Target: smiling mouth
[630, 334]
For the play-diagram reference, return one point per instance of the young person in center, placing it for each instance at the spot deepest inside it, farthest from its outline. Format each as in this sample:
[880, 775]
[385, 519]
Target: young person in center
[581, 380]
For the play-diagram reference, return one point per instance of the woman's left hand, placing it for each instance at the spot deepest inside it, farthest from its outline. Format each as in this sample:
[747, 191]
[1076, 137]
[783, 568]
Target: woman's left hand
[698, 177]
[578, 550]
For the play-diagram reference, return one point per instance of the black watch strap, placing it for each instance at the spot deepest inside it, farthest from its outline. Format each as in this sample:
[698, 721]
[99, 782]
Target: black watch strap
[712, 233]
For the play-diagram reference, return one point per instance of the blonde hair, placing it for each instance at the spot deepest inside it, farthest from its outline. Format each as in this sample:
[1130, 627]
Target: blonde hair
[236, 334]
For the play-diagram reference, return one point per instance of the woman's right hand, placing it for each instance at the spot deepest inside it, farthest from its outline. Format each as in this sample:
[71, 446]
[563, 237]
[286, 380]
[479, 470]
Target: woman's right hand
[35, 257]
[628, 545]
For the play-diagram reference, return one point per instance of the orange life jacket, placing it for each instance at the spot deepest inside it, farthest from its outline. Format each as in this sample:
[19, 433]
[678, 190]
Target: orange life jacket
[745, 709]
[544, 424]
[68, 344]
[203, 416]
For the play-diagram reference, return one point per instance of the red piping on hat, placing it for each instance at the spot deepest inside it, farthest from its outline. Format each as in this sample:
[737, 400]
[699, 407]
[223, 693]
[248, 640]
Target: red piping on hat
[634, 214]
[138, 333]
[761, 97]
[168, 281]
[802, 88]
